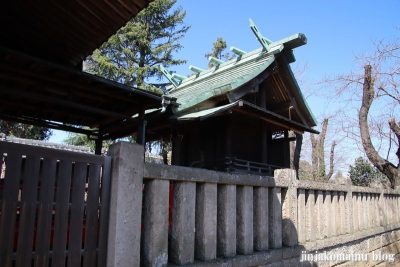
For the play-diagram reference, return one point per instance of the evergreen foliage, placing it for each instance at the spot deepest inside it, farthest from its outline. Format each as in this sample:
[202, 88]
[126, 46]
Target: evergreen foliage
[218, 51]
[24, 131]
[364, 173]
[133, 54]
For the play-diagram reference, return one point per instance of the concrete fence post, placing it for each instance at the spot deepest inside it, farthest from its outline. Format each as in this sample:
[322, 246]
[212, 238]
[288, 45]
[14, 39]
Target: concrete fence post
[244, 220]
[183, 223]
[301, 215]
[289, 208]
[206, 222]
[310, 215]
[226, 218]
[327, 213]
[319, 214]
[349, 212]
[342, 214]
[125, 204]
[260, 221]
[155, 223]
[335, 213]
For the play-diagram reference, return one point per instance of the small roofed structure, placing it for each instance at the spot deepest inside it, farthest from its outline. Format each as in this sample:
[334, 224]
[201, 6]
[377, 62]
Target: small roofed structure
[42, 50]
[240, 115]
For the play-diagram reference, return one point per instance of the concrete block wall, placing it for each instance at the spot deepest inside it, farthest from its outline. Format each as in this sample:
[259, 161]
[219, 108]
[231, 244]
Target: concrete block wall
[222, 219]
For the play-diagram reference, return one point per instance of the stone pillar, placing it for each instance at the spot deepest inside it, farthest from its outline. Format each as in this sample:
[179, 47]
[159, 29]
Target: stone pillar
[360, 211]
[319, 214]
[335, 213]
[364, 211]
[310, 216]
[183, 223]
[260, 221]
[377, 215]
[289, 209]
[392, 208]
[244, 220]
[155, 223]
[125, 204]
[206, 222]
[398, 208]
[275, 215]
[226, 221]
[342, 213]
[349, 212]
[301, 215]
[355, 212]
[327, 214]
[368, 210]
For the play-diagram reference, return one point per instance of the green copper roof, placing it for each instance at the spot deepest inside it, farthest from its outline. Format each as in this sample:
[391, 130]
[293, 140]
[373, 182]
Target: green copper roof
[234, 79]
[218, 81]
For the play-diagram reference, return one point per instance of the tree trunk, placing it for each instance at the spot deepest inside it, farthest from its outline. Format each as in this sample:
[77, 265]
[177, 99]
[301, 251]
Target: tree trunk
[331, 164]
[387, 168]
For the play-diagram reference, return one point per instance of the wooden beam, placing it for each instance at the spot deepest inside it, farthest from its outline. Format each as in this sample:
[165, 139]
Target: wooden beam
[48, 124]
[66, 104]
[283, 125]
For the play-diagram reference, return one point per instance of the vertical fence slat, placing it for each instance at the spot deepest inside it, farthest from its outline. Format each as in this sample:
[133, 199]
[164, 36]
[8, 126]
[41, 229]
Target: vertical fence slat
[261, 241]
[244, 220]
[275, 217]
[183, 223]
[342, 210]
[104, 212]
[289, 215]
[61, 213]
[226, 219]
[335, 213]
[319, 209]
[206, 222]
[349, 212]
[76, 214]
[310, 215]
[44, 227]
[28, 210]
[92, 216]
[327, 213]
[9, 207]
[360, 213]
[355, 212]
[155, 223]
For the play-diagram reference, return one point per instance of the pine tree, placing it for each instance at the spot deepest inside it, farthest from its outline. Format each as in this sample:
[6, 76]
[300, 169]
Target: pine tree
[364, 173]
[218, 51]
[133, 54]
[24, 131]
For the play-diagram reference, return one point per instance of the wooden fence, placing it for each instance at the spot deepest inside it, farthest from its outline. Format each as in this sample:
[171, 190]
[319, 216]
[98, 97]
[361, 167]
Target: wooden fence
[54, 207]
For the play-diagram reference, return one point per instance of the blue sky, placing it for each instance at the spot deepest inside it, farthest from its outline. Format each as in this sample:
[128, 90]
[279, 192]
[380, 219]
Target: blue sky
[336, 31]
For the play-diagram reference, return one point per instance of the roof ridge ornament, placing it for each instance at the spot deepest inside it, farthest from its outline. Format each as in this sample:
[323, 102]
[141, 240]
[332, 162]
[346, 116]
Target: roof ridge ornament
[195, 69]
[265, 42]
[269, 46]
[215, 60]
[237, 51]
[168, 76]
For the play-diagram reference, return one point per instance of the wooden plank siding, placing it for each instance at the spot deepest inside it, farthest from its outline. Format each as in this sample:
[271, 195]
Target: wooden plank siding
[53, 207]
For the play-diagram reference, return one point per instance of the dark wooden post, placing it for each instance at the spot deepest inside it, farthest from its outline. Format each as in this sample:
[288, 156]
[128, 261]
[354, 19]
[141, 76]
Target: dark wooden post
[286, 150]
[176, 147]
[99, 142]
[141, 130]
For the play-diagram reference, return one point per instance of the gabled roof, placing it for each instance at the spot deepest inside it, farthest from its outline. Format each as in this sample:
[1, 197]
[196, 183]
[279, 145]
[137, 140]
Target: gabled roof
[234, 79]
[219, 81]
